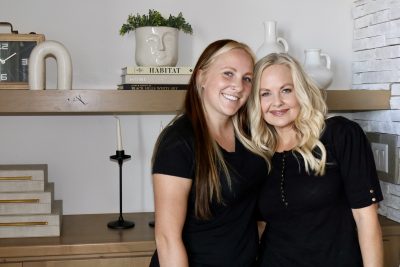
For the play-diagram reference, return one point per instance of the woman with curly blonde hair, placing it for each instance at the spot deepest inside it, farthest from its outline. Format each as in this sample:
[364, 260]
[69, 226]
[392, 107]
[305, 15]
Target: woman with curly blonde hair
[320, 197]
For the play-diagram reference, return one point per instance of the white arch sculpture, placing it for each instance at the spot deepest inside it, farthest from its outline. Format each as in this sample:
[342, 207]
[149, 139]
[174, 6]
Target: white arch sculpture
[37, 65]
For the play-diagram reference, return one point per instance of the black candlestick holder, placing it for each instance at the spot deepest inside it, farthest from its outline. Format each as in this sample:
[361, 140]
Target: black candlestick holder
[120, 157]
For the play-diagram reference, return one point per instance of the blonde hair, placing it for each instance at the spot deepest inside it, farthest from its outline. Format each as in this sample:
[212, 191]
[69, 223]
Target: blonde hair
[308, 125]
[208, 155]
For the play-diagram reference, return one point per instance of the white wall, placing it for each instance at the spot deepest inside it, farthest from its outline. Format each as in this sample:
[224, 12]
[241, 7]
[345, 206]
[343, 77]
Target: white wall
[77, 148]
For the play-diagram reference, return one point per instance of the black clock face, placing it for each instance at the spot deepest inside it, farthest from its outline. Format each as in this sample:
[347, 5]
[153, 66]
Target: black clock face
[14, 57]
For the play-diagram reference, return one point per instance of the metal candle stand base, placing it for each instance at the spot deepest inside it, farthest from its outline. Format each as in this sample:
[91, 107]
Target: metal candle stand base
[120, 223]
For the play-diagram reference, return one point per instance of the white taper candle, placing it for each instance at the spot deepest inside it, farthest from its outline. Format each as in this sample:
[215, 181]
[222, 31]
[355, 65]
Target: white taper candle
[119, 137]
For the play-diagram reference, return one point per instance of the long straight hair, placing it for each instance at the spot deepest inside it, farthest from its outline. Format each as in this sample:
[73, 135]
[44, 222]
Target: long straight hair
[207, 152]
[208, 156]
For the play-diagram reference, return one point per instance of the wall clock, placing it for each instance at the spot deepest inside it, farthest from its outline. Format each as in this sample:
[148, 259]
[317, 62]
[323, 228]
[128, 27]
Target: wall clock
[15, 50]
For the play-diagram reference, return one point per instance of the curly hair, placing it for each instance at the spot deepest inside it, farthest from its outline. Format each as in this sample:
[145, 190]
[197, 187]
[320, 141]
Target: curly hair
[308, 125]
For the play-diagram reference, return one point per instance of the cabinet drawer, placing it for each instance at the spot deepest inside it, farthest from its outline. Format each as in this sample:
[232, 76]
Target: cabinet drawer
[391, 247]
[103, 262]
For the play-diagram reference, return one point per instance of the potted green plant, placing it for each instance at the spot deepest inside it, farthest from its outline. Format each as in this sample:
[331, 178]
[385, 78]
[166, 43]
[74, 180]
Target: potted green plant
[154, 19]
[156, 37]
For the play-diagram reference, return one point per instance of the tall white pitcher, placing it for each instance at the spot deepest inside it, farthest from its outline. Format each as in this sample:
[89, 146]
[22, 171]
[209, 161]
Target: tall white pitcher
[317, 69]
[272, 43]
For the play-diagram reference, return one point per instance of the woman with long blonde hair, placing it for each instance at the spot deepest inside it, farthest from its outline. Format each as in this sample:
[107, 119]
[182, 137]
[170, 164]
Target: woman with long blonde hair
[205, 180]
[320, 198]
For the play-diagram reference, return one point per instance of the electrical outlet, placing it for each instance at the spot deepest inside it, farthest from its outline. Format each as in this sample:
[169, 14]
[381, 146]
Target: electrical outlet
[380, 152]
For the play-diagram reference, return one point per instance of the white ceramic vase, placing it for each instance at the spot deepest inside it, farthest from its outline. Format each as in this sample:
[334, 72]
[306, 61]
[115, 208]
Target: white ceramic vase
[156, 46]
[317, 69]
[272, 43]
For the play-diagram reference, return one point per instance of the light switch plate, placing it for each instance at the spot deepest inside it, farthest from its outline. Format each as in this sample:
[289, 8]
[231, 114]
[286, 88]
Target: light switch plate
[385, 148]
[380, 152]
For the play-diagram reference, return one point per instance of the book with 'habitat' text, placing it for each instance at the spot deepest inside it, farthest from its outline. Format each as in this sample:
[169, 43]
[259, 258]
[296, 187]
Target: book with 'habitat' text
[157, 70]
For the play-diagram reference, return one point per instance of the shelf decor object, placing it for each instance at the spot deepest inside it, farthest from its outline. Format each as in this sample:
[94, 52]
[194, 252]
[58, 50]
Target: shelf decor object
[155, 78]
[156, 37]
[120, 157]
[15, 50]
[318, 70]
[27, 205]
[37, 73]
[272, 43]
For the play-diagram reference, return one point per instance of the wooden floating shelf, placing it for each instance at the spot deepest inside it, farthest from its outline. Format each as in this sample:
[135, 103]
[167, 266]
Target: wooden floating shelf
[97, 102]
[81, 102]
[358, 100]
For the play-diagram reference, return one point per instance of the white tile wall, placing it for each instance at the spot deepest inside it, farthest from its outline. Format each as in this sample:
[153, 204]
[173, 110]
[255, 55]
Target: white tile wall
[372, 86]
[395, 89]
[395, 102]
[376, 65]
[369, 43]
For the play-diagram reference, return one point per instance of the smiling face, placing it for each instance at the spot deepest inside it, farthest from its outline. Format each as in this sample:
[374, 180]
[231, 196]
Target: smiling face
[226, 84]
[278, 99]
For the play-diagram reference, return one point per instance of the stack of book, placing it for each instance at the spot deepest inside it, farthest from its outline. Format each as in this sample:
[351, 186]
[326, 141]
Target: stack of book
[155, 78]
[27, 205]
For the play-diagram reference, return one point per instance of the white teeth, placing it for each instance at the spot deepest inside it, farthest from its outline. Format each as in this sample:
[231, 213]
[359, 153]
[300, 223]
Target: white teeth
[278, 113]
[230, 97]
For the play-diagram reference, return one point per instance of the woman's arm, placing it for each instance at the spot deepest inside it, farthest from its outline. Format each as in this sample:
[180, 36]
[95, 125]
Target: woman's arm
[369, 235]
[170, 196]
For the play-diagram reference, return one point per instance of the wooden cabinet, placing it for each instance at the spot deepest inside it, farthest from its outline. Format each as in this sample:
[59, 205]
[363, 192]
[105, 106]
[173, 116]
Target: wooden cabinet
[100, 262]
[391, 245]
[391, 242]
[85, 241]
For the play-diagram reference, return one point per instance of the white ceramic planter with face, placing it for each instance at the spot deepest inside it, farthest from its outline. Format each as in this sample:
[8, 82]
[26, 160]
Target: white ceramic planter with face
[156, 46]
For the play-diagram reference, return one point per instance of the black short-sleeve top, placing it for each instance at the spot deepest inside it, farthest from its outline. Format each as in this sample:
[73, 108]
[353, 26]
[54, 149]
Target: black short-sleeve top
[230, 237]
[309, 218]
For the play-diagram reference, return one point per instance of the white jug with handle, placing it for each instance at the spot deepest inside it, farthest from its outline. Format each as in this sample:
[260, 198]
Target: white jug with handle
[319, 71]
[272, 43]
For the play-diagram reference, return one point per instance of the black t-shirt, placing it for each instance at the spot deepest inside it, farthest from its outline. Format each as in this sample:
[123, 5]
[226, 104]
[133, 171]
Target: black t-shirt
[316, 227]
[230, 237]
